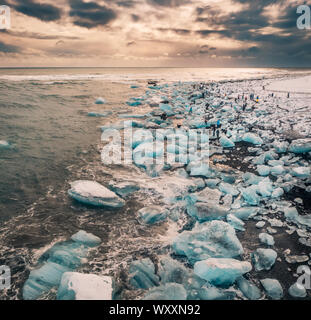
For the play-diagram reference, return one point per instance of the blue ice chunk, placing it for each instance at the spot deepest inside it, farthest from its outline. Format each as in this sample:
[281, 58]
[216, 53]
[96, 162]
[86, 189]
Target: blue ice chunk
[250, 195]
[227, 188]
[235, 222]
[42, 280]
[86, 238]
[206, 211]
[124, 189]
[99, 114]
[265, 188]
[226, 142]
[300, 146]
[221, 272]
[251, 178]
[133, 103]
[273, 288]
[212, 183]
[252, 138]
[263, 259]
[301, 172]
[263, 170]
[212, 293]
[274, 163]
[201, 169]
[245, 213]
[165, 107]
[278, 192]
[100, 100]
[142, 274]
[280, 147]
[169, 291]
[93, 193]
[134, 86]
[4, 144]
[172, 271]
[266, 238]
[152, 214]
[207, 240]
[249, 290]
[292, 215]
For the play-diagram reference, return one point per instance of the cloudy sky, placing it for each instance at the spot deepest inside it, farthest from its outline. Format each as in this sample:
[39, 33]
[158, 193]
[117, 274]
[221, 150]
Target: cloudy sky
[192, 33]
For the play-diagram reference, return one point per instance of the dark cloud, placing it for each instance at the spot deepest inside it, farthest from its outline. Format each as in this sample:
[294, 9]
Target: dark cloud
[8, 48]
[42, 11]
[90, 14]
[169, 3]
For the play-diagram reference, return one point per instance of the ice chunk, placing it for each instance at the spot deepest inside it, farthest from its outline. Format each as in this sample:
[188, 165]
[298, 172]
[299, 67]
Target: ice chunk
[142, 274]
[152, 214]
[124, 189]
[280, 147]
[245, 213]
[252, 138]
[100, 100]
[79, 286]
[227, 188]
[221, 272]
[235, 222]
[250, 195]
[266, 238]
[226, 142]
[171, 270]
[251, 178]
[265, 188]
[273, 288]
[86, 238]
[212, 293]
[4, 144]
[260, 224]
[292, 215]
[297, 291]
[277, 170]
[263, 259]
[212, 183]
[300, 146]
[214, 239]
[202, 169]
[249, 290]
[99, 114]
[93, 193]
[301, 172]
[169, 291]
[263, 170]
[278, 192]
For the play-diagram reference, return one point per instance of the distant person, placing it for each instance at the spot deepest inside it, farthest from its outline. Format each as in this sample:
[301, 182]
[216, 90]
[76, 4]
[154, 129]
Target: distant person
[164, 116]
[288, 95]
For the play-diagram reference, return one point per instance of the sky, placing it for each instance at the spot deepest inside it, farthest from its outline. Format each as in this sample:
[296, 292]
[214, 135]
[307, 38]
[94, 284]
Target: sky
[154, 33]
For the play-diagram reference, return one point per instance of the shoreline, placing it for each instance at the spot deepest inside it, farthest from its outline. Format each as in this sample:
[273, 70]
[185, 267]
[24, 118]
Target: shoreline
[241, 166]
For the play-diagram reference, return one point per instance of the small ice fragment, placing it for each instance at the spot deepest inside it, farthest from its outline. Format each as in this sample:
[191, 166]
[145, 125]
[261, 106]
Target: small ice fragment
[100, 100]
[263, 259]
[273, 288]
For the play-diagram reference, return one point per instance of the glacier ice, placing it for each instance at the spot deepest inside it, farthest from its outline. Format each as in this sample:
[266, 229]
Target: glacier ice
[168, 291]
[252, 138]
[221, 272]
[300, 146]
[142, 274]
[152, 214]
[124, 189]
[273, 288]
[93, 193]
[249, 290]
[263, 259]
[79, 286]
[213, 239]
[266, 238]
[100, 100]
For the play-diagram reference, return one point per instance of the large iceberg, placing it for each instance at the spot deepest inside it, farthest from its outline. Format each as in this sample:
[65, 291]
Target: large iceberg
[93, 193]
[79, 286]
[214, 239]
[221, 272]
